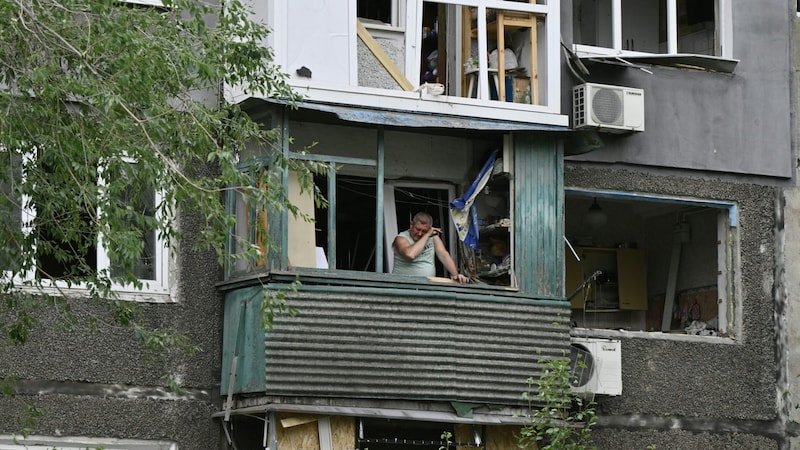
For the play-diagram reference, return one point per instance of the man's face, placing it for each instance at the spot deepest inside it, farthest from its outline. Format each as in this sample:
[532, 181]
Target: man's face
[418, 230]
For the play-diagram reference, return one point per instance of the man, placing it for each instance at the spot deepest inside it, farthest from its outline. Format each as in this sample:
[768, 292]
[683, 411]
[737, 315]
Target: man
[415, 247]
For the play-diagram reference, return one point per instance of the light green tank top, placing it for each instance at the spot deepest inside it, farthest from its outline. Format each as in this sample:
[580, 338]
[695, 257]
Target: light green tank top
[422, 266]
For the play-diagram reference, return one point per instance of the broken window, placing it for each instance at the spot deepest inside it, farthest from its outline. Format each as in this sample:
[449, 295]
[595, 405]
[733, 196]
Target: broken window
[15, 442]
[371, 198]
[650, 26]
[383, 11]
[506, 43]
[456, 52]
[308, 430]
[10, 206]
[68, 243]
[650, 264]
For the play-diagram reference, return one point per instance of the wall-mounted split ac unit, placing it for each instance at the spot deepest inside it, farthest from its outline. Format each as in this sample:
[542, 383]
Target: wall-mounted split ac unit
[597, 365]
[613, 109]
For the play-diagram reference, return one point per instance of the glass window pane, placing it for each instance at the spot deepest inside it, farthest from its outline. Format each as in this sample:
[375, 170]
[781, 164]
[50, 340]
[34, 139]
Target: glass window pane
[142, 202]
[66, 246]
[642, 25]
[591, 22]
[10, 205]
[697, 27]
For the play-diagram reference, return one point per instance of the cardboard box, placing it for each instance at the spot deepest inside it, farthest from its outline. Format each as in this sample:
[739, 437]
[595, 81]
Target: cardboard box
[522, 90]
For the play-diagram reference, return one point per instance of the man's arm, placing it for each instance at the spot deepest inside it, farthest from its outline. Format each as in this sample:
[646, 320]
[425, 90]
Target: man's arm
[408, 250]
[447, 261]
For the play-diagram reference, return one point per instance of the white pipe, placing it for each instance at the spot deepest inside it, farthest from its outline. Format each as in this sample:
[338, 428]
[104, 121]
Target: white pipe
[672, 27]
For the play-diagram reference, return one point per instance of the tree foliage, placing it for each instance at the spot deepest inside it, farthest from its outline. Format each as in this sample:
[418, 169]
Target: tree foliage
[564, 419]
[101, 103]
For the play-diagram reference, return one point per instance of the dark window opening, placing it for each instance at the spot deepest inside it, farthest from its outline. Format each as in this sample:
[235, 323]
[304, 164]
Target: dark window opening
[648, 265]
[141, 200]
[388, 434]
[410, 200]
[10, 206]
[645, 25]
[246, 431]
[66, 230]
[434, 44]
[380, 10]
[355, 221]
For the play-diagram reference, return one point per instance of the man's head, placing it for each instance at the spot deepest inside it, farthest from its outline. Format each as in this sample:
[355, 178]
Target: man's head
[420, 225]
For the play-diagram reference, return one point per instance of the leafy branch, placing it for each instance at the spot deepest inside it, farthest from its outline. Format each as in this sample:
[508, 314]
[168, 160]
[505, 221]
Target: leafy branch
[564, 420]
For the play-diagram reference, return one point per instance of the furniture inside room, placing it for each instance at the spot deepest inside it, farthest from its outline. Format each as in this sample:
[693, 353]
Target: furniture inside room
[499, 24]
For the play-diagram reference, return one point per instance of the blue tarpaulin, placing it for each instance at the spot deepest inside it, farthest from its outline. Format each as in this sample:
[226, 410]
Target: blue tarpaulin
[463, 214]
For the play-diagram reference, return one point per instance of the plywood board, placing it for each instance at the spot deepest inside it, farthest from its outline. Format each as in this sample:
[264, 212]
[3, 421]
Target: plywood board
[302, 243]
[343, 431]
[305, 436]
[383, 58]
[301, 431]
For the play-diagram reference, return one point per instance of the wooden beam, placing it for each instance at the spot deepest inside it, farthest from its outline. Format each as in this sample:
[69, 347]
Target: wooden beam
[383, 58]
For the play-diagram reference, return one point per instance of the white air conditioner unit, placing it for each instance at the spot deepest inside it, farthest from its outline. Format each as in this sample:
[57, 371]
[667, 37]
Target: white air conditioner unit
[613, 109]
[597, 365]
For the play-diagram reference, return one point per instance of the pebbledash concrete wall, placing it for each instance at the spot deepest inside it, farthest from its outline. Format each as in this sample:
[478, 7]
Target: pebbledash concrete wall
[728, 137]
[684, 392]
[101, 384]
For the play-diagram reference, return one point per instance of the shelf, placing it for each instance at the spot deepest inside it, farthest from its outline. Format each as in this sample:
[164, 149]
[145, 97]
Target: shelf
[503, 225]
[499, 272]
[503, 22]
[512, 21]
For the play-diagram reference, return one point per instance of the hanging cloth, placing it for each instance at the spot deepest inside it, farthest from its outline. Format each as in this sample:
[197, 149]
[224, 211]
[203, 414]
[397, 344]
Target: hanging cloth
[464, 216]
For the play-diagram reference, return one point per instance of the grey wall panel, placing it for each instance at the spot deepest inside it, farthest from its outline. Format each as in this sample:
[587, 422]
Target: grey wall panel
[736, 123]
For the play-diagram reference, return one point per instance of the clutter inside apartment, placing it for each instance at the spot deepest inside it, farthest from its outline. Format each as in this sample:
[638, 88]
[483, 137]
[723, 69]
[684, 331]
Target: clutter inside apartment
[305, 430]
[490, 260]
[510, 71]
[640, 264]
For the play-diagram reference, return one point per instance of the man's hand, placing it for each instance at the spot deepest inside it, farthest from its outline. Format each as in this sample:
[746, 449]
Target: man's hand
[460, 278]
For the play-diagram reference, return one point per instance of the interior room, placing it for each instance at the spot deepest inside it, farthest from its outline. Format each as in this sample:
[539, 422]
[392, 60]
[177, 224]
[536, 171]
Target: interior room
[648, 264]
[421, 173]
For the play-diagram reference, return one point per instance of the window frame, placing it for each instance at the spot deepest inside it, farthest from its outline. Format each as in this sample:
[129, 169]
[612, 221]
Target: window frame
[36, 442]
[155, 290]
[723, 32]
[397, 20]
[390, 215]
[728, 265]
[243, 234]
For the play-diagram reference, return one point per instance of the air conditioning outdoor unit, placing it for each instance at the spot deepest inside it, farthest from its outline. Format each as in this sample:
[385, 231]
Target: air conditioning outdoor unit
[597, 365]
[613, 109]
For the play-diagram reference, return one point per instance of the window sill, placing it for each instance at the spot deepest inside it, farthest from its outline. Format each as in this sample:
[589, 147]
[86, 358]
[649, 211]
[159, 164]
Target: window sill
[589, 55]
[374, 25]
[130, 295]
[677, 336]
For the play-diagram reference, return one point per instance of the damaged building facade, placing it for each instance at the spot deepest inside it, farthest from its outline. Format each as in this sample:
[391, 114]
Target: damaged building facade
[633, 171]
[644, 154]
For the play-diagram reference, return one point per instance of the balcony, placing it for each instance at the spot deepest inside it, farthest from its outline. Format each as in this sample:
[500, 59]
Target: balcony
[382, 338]
[434, 57]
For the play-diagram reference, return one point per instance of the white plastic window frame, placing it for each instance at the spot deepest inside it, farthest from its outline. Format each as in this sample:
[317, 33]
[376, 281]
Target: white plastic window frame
[549, 11]
[157, 3]
[4, 272]
[35, 442]
[398, 17]
[724, 26]
[160, 282]
[156, 290]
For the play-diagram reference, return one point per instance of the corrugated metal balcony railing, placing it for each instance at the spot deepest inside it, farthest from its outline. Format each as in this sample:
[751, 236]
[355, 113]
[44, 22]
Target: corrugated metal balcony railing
[393, 341]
